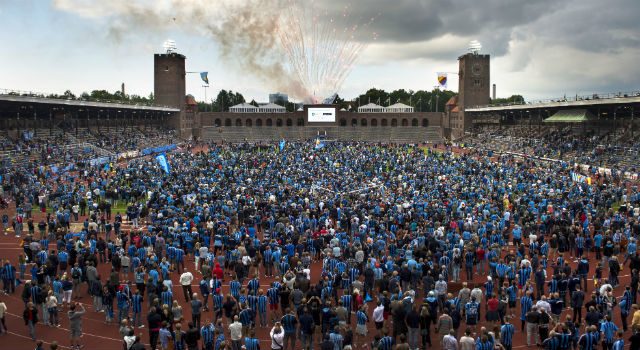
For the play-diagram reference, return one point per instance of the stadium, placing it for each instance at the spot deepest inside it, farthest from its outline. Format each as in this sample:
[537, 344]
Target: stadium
[155, 224]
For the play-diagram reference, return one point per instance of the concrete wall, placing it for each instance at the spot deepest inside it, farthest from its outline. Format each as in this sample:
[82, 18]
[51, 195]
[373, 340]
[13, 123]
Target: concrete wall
[298, 119]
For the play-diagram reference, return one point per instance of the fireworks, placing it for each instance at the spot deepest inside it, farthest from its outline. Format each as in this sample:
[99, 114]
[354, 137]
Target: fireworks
[321, 50]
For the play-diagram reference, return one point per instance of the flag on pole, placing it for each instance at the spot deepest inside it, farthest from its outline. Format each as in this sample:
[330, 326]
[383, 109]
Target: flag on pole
[282, 144]
[205, 77]
[442, 79]
[162, 161]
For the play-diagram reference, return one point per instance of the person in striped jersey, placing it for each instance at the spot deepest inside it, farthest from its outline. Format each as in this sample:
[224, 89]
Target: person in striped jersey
[619, 343]
[589, 340]
[526, 303]
[207, 334]
[247, 318]
[273, 294]
[123, 305]
[608, 330]
[506, 334]
[218, 300]
[234, 287]
[251, 342]
[289, 324]
[253, 285]
[262, 307]
[166, 297]
[136, 308]
[386, 342]
[552, 342]
[346, 299]
[564, 337]
[361, 324]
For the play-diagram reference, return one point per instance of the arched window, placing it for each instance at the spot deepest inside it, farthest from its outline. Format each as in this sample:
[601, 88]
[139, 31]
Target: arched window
[279, 123]
[354, 122]
[218, 122]
[227, 122]
[269, 122]
[405, 122]
[414, 122]
[383, 122]
[394, 123]
[343, 122]
[363, 122]
[238, 122]
[258, 122]
[300, 122]
[425, 122]
[248, 123]
[289, 122]
[374, 122]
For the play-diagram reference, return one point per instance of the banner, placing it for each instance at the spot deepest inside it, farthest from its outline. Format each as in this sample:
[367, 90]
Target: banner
[319, 144]
[580, 178]
[205, 77]
[162, 161]
[282, 144]
[442, 79]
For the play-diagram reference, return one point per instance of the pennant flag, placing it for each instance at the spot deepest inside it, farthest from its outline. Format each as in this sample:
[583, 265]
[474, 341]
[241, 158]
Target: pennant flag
[205, 77]
[282, 144]
[162, 161]
[442, 79]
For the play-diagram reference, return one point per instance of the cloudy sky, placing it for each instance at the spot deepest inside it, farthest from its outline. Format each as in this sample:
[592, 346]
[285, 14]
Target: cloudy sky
[540, 49]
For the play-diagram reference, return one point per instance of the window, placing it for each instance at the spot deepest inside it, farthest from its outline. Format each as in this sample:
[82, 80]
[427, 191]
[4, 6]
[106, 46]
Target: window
[477, 82]
[374, 122]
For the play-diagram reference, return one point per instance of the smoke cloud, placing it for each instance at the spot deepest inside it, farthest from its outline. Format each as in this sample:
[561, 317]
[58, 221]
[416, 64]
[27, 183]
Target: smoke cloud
[245, 30]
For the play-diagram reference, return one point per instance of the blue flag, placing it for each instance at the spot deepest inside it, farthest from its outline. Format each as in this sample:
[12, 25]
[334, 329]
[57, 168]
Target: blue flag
[319, 144]
[282, 143]
[205, 77]
[162, 161]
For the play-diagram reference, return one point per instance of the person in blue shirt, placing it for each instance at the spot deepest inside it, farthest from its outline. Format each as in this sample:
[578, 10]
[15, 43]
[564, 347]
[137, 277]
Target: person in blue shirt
[506, 334]
[608, 330]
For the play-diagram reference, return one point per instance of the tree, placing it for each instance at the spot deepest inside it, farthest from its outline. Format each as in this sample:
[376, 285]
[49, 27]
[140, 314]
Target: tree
[69, 95]
[509, 100]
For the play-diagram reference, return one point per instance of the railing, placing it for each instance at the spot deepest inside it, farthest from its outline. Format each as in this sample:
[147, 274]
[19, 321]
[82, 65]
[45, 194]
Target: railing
[610, 95]
[33, 94]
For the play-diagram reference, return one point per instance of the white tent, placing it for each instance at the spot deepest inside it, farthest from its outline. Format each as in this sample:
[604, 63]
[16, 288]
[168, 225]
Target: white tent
[371, 108]
[399, 108]
[243, 108]
[271, 108]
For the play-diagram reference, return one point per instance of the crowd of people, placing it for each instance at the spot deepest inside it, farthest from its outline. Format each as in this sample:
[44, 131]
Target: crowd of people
[343, 246]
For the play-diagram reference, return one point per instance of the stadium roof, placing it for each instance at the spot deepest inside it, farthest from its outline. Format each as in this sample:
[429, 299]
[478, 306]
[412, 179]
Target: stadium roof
[80, 103]
[585, 102]
[570, 116]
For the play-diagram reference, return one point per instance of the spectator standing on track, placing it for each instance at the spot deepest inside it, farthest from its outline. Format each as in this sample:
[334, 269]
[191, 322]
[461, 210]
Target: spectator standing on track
[185, 281]
[30, 316]
[75, 325]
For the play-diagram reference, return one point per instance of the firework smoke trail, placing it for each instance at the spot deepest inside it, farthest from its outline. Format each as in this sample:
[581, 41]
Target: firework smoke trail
[304, 52]
[320, 54]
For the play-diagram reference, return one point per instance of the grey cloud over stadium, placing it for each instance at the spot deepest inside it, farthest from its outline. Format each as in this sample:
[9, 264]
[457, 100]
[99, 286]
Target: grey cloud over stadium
[575, 46]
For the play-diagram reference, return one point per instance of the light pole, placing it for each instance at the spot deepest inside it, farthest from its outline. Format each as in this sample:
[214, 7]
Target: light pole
[206, 105]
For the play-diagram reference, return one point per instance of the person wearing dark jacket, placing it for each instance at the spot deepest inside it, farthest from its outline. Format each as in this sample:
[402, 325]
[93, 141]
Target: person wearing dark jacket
[577, 301]
[30, 316]
[191, 337]
[154, 320]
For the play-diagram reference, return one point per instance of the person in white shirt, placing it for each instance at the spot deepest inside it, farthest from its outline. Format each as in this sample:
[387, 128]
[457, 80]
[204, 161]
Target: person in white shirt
[449, 341]
[378, 316]
[467, 342]
[185, 280]
[3, 311]
[235, 329]
[543, 304]
[277, 337]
